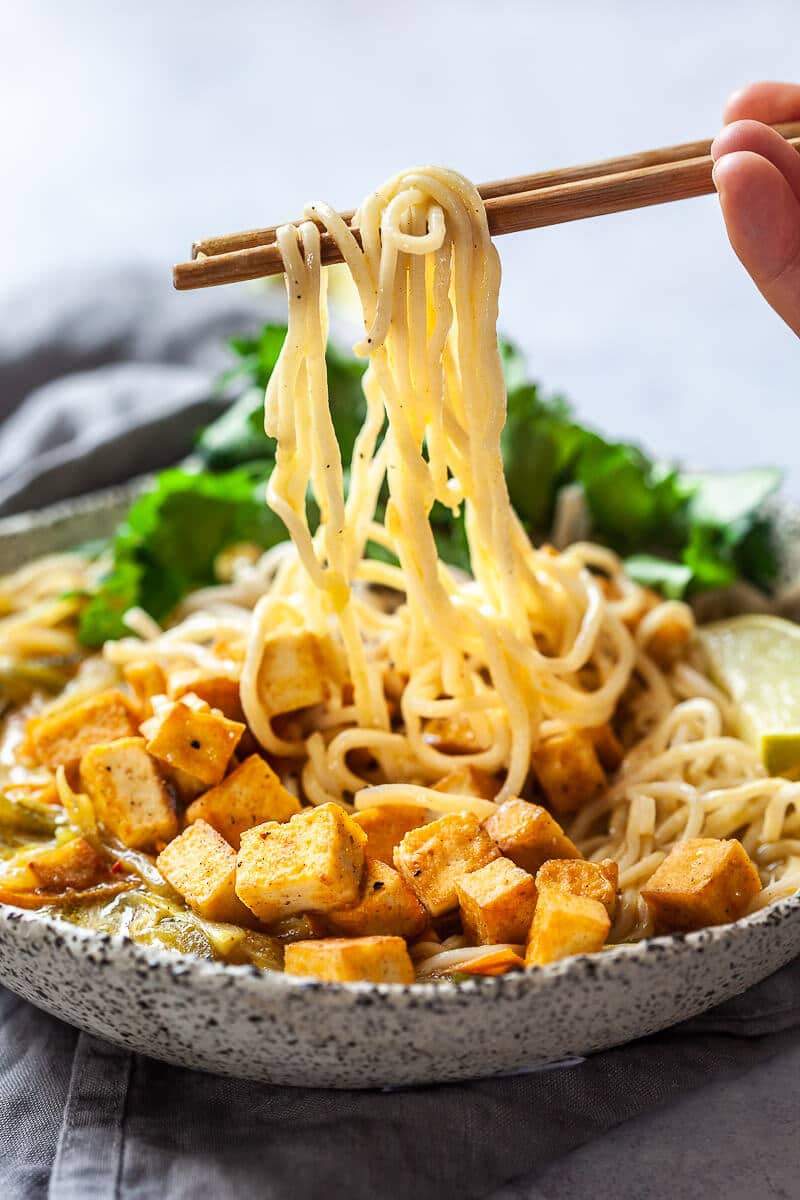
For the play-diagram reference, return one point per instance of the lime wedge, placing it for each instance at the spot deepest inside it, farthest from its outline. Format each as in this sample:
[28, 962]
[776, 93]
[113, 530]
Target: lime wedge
[756, 660]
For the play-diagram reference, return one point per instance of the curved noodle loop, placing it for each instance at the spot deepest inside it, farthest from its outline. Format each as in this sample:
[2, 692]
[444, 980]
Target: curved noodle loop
[506, 652]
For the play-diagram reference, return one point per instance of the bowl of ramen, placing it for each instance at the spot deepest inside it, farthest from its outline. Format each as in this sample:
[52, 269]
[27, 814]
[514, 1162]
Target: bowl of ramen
[355, 804]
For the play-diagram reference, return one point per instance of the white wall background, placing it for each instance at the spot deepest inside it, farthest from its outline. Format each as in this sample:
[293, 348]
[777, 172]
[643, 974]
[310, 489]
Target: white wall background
[127, 130]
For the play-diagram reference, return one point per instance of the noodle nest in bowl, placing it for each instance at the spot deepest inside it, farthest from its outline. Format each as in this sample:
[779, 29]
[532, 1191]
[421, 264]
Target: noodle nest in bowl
[368, 674]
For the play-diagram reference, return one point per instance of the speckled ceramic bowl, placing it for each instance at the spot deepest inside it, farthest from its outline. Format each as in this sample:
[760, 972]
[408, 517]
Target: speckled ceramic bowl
[259, 1025]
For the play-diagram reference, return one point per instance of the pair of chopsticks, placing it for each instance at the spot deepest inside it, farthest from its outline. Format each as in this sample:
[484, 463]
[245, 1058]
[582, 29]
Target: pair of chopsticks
[527, 202]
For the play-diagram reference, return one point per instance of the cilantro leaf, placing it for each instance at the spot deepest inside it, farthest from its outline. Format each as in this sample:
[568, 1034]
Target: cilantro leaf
[728, 497]
[238, 437]
[169, 541]
[670, 578]
[515, 368]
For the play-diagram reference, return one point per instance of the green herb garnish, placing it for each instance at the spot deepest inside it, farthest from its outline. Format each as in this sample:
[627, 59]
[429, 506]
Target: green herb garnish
[680, 531]
[167, 544]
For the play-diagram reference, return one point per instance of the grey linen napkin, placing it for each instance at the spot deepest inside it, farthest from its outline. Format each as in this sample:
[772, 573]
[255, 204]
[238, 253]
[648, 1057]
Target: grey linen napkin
[94, 391]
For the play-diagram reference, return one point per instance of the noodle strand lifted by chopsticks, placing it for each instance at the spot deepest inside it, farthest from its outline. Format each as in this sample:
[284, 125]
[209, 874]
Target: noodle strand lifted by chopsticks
[518, 634]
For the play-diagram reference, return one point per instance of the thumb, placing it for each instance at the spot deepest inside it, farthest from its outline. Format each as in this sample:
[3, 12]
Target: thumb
[762, 216]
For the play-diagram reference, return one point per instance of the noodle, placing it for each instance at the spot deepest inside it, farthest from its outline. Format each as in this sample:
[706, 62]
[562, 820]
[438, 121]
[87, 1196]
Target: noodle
[428, 278]
[534, 644]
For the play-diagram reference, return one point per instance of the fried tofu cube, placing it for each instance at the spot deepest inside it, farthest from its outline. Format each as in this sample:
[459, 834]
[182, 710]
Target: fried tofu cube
[386, 825]
[347, 960]
[73, 866]
[455, 735]
[232, 648]
[564, 925]
[497, 903]
[568, 770]
[529, 835]
[186, 787]
[146, 680]
[129, 796]
[218, 691]
[669, 640]
[598, 881]
[251, 795]
[311, 863]
[64, 737]
[296, 671]
[201, 867]
[608, 746]
[468, 781]
[196, 741]
[434, 857]
[702, 881]
[386, 905]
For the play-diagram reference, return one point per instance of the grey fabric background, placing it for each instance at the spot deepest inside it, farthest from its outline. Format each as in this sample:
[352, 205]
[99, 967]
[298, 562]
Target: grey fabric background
[704, 1109]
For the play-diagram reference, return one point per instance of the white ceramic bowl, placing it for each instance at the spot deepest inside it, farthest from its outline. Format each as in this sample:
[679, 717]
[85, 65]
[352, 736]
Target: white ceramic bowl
[262, 1025]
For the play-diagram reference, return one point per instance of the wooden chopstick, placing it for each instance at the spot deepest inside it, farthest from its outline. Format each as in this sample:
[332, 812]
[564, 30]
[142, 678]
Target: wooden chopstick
[527, 202]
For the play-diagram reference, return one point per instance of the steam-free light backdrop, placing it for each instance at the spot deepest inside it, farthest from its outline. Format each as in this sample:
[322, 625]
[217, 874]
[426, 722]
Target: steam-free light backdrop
[127, 130]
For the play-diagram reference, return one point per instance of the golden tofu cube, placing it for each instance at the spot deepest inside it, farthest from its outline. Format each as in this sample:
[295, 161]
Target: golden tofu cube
[434, 857]
[608, 746]
[251, 795]
[198, 742]
[455, 735]
[296, 671]
[468, 781]
[218, 691]
[75, 865]
[312, 863]
[64, 737]
[201, 867]
[529, 835]
[347, 960]
[386, 905]
[568, 770]
[564, 925]
[598, 881]
[386, 825]
[669, 641]
[186, 787]
[232, 648]
[145, 679]
[129, 796]
[702, 881]
[497, 903]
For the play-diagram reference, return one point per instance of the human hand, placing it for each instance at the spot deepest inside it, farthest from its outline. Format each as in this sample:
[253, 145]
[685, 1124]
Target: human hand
[757, 176]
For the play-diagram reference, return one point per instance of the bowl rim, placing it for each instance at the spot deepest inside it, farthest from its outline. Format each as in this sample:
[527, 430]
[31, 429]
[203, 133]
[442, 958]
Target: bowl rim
[608, 961]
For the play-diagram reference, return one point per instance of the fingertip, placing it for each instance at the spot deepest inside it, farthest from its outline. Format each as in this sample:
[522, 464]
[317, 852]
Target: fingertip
[735, 136]
[736, 104]
[761, 212]
[766, 100]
